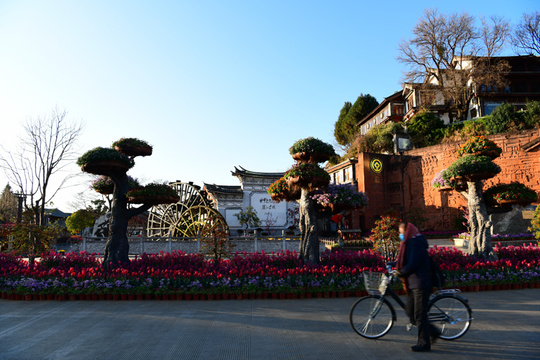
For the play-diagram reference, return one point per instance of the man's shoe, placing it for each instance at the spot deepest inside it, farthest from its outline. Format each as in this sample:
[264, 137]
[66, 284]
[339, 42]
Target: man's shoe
[419, 348]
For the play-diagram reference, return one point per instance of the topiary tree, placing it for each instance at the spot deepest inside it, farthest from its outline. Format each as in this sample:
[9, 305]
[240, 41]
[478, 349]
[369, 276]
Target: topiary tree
[114, 163]
[308, 182]
[475, 165]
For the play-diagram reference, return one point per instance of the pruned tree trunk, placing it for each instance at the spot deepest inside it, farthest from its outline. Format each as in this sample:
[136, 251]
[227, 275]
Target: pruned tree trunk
[480, 242]
[117, 247]
[309, 242]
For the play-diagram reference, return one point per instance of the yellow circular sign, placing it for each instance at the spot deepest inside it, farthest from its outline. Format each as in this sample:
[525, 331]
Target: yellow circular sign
[376, 166]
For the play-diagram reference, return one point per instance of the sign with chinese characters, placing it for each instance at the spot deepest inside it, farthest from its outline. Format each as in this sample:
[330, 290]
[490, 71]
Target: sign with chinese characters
[270, 212]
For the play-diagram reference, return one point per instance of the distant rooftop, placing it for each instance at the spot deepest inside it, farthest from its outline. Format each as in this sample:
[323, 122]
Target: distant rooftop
[240, 171]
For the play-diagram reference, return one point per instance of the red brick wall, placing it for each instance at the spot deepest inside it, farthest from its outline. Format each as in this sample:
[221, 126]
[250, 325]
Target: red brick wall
[420, 167]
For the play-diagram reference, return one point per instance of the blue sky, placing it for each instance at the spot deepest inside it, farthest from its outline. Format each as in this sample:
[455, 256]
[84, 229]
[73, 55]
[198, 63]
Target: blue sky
[210, 84]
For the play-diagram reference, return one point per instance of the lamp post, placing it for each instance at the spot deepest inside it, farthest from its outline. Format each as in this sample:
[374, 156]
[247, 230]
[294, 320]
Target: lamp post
[20, 197]
[402, 143]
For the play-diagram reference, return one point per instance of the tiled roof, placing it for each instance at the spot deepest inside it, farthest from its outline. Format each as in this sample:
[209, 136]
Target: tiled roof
[240, 171]
[224, 189]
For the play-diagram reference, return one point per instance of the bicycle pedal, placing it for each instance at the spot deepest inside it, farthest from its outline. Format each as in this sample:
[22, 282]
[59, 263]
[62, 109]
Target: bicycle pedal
[409, 327]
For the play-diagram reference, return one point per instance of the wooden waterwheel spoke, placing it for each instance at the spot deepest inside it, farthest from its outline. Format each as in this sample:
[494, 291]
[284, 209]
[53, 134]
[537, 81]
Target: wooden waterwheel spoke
[190, 216]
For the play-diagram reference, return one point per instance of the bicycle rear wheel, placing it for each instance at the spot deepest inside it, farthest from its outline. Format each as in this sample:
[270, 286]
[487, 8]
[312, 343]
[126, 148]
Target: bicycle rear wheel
[372, 317]
[451, 315]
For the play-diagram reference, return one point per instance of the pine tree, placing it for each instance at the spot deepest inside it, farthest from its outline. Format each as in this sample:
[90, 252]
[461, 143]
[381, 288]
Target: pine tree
[8, 205]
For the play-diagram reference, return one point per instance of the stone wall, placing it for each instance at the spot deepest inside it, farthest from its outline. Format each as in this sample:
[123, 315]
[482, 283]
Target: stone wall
[421, 166]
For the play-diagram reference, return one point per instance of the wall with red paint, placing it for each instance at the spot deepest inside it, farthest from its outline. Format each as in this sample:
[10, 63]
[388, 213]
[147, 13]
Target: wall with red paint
[414, 171]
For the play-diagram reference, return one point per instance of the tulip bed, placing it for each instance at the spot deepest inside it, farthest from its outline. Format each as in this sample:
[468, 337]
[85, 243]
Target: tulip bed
[179, 275]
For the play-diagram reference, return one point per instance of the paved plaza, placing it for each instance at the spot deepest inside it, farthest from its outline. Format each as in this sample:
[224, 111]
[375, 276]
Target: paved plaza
[505, 326]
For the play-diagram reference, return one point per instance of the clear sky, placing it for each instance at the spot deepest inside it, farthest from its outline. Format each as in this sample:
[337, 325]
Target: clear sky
[210, 84]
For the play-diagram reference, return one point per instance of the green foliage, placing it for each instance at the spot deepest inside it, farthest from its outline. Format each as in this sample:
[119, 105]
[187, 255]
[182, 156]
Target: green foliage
[339, 134]
[248, 218]
[131, 142]
[8, 205]
[535, 223]
[105, 185]
[479, 144]
[385, 237]
[512, 191]
[501, 119]
[307, 170]
[311, 145]
[426, 129]
[278, 187]
[471, 165]
[79, 220]
[465, 129]
[379, 139]
[100, 153]
[153, 189]
[532, 114]
[346, 129]
[31, 239]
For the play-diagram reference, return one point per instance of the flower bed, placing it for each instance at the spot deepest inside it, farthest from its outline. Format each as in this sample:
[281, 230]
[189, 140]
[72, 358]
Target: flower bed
[181, 276]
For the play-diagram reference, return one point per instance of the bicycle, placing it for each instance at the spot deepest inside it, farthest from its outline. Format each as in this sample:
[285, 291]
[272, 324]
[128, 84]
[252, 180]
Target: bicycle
[373, 316]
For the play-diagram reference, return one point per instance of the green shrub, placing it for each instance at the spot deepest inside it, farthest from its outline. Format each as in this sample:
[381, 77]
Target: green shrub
[472, 165]
[535, 223]
[426, 129]
[501, 119]
[532, 114]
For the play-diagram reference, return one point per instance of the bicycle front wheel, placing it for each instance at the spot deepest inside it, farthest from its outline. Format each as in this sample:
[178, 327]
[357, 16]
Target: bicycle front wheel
[451, 315]
[372, 317]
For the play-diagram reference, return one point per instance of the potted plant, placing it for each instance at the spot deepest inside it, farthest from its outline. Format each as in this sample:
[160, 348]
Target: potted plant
[132, 147]
[339, 197]
[479, 145]
[104, 161]
[279, 191]
[473, 168]
[440, 183]
[509, 194]
[105, 185]
[153, 194]
[306, 175]
[311, 150]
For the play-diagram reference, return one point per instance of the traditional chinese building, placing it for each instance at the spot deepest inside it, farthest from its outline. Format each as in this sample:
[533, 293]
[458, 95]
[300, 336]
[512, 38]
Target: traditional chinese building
[252, 191]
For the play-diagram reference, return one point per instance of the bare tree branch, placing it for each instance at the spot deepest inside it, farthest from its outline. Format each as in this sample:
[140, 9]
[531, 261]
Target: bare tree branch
[47, 148]
[526, 37]
[443, 54]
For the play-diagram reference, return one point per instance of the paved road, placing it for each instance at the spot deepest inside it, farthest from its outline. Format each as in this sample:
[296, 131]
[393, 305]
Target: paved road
[506, 326]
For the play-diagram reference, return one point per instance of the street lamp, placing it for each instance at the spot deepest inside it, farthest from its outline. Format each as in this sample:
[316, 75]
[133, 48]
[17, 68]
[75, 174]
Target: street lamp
[402, 143]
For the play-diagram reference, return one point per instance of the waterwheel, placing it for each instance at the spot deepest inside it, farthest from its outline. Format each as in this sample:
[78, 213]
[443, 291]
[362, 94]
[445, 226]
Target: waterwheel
[192, 213]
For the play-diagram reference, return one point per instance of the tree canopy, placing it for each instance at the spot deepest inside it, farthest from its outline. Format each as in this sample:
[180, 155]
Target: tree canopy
[345, 128]
[79, 220]
[8, 205]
